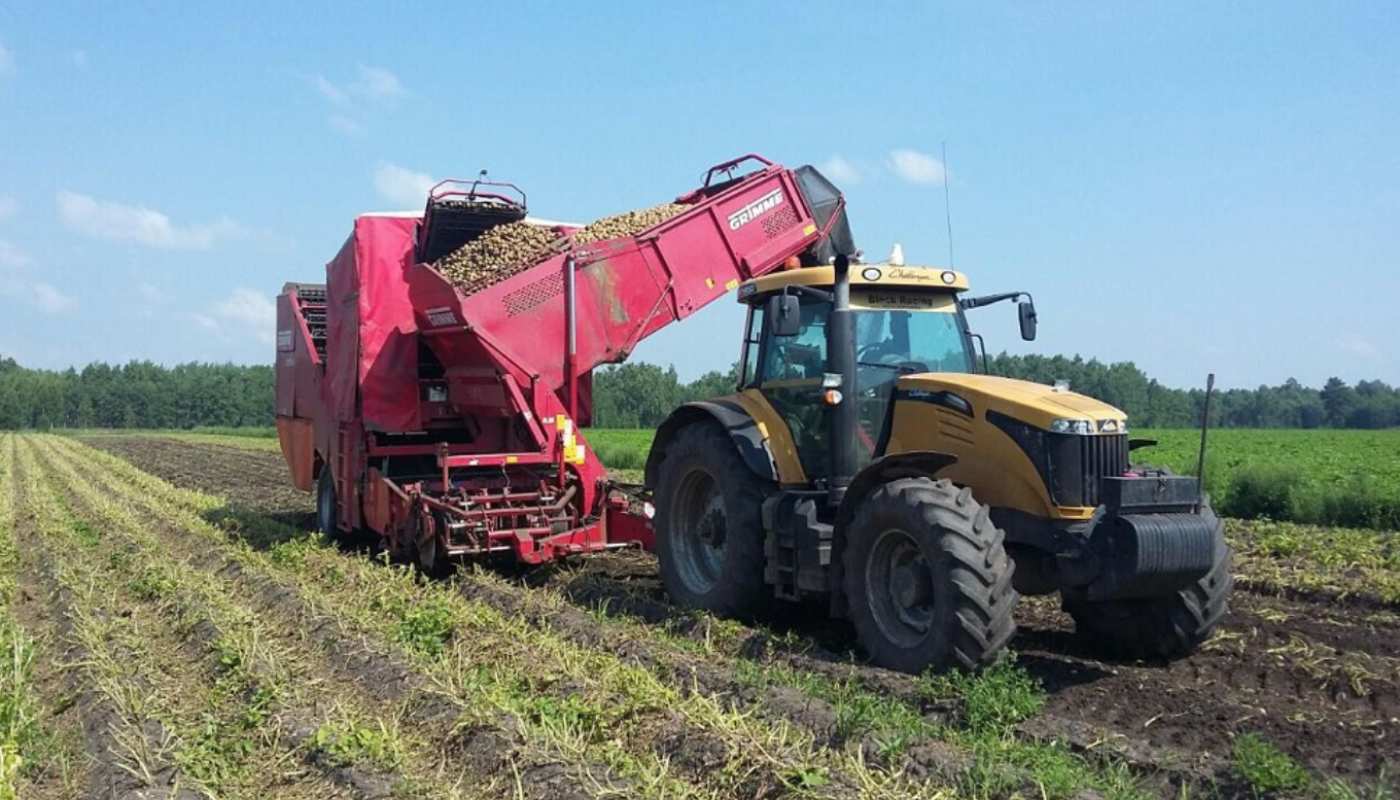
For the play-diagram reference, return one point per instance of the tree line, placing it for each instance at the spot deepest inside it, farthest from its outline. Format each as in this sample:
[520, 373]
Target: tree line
[638, 395]
[141, 394]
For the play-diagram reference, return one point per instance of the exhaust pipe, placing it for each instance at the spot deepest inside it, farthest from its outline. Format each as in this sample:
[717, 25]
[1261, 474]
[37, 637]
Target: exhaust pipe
[839, 383]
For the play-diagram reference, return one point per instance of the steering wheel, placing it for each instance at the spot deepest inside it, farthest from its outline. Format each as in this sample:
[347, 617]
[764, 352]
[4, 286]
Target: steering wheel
[872, 352]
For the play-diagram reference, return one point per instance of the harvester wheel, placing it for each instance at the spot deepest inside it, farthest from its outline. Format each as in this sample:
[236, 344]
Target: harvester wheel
[709, 531]
[1161, 628]
[427, 555]
[927, 578]
[326, 516]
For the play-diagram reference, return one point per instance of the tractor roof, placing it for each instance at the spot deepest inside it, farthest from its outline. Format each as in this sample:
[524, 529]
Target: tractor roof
[883, 275]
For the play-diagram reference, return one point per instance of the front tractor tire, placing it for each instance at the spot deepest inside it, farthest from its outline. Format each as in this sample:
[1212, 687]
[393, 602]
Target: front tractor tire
[927, 578]
[709, 528]
[1159, 628]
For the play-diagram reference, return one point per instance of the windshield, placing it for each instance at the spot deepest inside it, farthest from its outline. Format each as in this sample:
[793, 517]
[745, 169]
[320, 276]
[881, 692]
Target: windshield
[911, 341]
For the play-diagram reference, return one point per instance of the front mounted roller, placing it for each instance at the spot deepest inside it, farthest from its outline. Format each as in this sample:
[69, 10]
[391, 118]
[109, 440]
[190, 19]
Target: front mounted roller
[709, 528]
[927, 578]
[1159, 628]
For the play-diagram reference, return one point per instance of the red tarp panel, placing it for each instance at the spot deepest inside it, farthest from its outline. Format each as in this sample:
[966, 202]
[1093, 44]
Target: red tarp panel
[372, 339]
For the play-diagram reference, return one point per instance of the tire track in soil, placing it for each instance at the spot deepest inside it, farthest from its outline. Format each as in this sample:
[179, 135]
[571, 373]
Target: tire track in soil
[197, 641]
[33, 610]
[695, 751]
[108, 775]
[1180, 715]
[485, 751]
[692, 751]
[927, 758]
[250, 479]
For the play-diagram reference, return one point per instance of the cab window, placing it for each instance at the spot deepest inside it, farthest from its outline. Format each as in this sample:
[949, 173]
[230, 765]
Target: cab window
[752, 339]
[801, 357]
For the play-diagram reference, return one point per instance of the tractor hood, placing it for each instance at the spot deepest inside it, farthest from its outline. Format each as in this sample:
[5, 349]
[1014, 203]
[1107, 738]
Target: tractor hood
[1033, 403]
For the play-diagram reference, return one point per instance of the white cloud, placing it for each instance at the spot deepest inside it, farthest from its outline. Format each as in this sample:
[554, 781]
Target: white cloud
[152, 294]
[14, 270]
[374, 86]
[377, 83]
[251, 311]
[50, 300]
[16, 282]
[8, 206]
[203, 320]
[839, 170]
[346, 125]
[330, 91]
[12, 257]
[1358, 346]
[118, 222]
[402, 185]
[916, 167]
[7, 61]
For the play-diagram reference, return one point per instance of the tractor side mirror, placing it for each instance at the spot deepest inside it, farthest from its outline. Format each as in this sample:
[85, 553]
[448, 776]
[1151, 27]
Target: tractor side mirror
[784, 315]
[1026, 310]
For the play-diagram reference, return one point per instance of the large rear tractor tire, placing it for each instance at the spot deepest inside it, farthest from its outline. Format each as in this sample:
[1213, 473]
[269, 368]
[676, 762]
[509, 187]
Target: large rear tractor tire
[1159, 628]
[709, 528]
[927, 578]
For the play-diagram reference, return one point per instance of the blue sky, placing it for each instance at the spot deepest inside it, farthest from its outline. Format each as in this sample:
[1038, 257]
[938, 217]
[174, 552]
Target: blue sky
[1192, 187]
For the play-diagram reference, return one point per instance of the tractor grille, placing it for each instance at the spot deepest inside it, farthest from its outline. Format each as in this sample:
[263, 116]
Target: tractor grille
[1078, 465]
[1073, 466]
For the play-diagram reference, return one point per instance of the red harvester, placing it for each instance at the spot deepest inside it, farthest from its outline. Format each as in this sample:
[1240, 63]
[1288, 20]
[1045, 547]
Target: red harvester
[448, 423]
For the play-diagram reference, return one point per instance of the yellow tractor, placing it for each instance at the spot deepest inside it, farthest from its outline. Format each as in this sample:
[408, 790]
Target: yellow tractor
[866, 460]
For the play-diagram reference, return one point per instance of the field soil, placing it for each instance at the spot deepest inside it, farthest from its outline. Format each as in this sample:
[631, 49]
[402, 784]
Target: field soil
[1317, 678]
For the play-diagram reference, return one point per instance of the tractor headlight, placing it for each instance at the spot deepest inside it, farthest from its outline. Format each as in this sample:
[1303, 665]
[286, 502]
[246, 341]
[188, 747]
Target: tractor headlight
[1081, 426]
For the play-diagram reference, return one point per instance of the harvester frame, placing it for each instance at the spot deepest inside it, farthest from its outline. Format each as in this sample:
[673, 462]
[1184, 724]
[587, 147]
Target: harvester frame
[420, 414]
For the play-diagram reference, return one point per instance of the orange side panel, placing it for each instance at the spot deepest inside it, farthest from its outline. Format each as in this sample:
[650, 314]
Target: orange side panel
[299, 450]
[377, 503]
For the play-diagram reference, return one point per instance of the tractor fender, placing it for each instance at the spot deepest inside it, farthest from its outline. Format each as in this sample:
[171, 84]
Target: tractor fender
[909, 464]
[742, 429]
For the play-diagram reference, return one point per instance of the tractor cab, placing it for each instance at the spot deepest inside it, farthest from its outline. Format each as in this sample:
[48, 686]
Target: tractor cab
[908, 320]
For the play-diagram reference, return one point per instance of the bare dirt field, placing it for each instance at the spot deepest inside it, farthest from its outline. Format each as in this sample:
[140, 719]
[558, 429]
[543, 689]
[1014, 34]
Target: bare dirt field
[187, 636]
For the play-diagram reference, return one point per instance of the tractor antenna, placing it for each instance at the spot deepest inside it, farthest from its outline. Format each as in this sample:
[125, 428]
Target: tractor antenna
[1201, 459]
[947, 204]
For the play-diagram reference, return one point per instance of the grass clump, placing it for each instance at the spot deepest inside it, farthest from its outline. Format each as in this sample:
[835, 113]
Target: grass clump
[1262, 491]
[425, 623]
[994, 700]
[993, 703]
[1267, 769]
[20, 736]
[345, 741]
[893, 723]
[25, 745]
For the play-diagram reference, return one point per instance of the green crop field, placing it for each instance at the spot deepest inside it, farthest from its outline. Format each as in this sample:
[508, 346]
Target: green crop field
[1332, 477]
[1329, 477]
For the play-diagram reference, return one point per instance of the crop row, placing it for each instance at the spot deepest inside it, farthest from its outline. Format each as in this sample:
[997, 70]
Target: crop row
[592, 715]
[622, 687]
